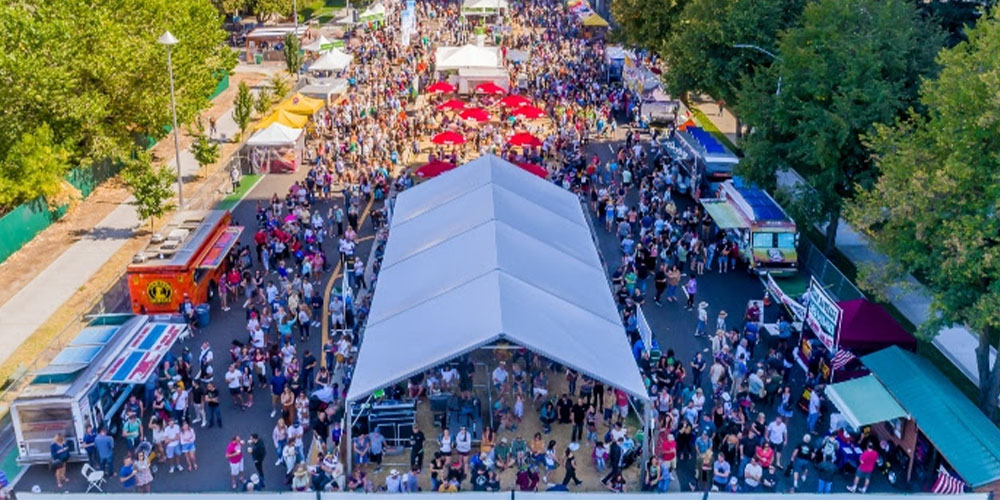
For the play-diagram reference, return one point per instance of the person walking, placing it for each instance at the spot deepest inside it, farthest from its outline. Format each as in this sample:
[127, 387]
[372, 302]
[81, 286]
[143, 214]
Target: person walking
[105, 445]
[212, 405]
[691, 289]
[569, 462]
[866, 464]
[234, 455]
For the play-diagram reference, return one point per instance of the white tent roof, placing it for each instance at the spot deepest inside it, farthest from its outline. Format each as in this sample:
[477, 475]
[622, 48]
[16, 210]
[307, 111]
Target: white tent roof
[317, 45]
[467, 56]
[374, 10]
[324, 88]
[334, 60]
[485, 252]
[275, 135]
[485, 4]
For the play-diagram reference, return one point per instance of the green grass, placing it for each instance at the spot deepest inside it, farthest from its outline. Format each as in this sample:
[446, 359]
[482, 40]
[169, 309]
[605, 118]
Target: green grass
[246, 184]
[706, 123]
[322, 10]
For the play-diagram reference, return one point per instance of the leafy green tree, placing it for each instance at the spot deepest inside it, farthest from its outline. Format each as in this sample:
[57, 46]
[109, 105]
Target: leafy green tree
[279, 86]
[266, 9]
[934, 207]
[293, 55]
[243, 108]
[702, 58]
[849, 65]
[263, 102]
[204, 149]
[152, 187]
[35, 166]
[647, 23]
[97, 76]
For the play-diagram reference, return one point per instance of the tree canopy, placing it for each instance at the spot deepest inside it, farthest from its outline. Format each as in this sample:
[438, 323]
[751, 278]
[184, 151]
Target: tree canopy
[646, 23]
[849, 65]
[95, 76]
[934, 207]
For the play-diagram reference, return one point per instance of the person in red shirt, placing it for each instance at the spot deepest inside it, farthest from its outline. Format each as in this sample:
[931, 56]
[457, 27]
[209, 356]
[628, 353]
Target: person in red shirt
[668, 450]
[865, 467]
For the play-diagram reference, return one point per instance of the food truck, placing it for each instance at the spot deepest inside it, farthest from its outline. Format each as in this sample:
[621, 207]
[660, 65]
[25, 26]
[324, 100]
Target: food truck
[710, 161]
[187, 256]
[765, 234]
[89, 381]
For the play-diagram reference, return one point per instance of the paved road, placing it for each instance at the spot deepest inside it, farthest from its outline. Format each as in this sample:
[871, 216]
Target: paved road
[213, 472]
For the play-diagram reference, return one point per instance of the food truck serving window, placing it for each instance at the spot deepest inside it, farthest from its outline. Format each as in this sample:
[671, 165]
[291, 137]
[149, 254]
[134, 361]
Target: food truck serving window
[219, 248]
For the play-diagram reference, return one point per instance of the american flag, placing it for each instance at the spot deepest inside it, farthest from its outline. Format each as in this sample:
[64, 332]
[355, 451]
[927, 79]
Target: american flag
[947, 484]
[841, 359]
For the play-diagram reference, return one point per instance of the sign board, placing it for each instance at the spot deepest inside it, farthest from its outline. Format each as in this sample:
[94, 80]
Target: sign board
[823, 315]
[798, 310]
[326, 47]
[645, 332]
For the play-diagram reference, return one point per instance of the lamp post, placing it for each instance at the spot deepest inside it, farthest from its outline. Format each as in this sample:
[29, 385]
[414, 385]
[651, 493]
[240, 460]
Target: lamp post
[168, 40]
[762, 51]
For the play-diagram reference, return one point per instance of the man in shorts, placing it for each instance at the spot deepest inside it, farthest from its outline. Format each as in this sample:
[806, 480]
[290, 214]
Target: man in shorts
[866, 464]
[377, 442]
[777, 435]
[802, 457]
[234, 454]
[234, 381]
[172, 441]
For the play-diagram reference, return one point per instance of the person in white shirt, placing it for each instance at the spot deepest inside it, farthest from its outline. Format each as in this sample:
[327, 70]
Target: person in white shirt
[777, 435]
[449, 375]
[393, 482]
[463, 445]
[171, 439]
[500, 376]
[234, 381]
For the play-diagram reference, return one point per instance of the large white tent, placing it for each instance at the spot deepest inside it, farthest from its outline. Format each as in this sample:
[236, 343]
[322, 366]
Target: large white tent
[275, 135]
[277, 146]
[489, 252]
[483, 7]
[466, 56]
[334, 60]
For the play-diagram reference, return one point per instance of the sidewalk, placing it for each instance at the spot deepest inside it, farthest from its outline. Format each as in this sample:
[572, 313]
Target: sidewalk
[31, 307]
[909, 297]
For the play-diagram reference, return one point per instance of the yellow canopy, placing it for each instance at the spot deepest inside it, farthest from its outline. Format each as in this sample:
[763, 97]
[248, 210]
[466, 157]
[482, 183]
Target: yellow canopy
[302, 105]
[595, 21]
[284, 117]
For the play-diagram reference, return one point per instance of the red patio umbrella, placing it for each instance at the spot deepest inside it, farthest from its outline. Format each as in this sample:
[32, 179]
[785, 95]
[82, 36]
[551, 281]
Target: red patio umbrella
[447, 138]
[490, 88]
[513, 101]
[535, 169]
[440, 88]
[453, 105]
[530, 112]
[524, 139]
[475, 114]
[433, 169]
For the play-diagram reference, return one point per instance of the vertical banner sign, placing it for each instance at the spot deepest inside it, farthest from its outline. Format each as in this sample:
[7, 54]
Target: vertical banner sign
[798, 310]
[645, 332]
[823, 315]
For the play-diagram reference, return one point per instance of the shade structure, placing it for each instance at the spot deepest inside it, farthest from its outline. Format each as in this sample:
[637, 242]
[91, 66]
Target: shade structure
[535, 169]
[529, 112]
[275, 135]
[440, 88]
[448, 138]
[524, 139]
[467, 56]
[283, 117]
[475, 114]
[595, 21]
[433, 169]
[375, 12]
[514, 101]
[322, 44]
[864, 401]
[867, 327]
[490, 88]
[334, 60]
[487, 252]
[451, 105]
[302, 105]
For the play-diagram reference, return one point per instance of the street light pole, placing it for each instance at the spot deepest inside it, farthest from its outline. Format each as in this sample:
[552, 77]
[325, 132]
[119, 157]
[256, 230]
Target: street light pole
[762, 51]
[168, 40]
[295, 14]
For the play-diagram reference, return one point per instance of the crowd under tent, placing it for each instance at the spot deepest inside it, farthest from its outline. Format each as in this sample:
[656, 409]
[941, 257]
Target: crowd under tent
[486, 254]
[908, 402]
[467, 56]
[374, 13]
[333, 60]
[264, 41]
[277, 148]
[326, 89]
[469, 78]
[484, 7]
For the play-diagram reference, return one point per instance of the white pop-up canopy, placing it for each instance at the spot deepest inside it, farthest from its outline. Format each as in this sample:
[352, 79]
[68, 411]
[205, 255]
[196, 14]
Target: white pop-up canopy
[334, 60]
[275, 135]
[466, 56]
[483, 7]
[375, 12]
[489, 252]
[321, 44]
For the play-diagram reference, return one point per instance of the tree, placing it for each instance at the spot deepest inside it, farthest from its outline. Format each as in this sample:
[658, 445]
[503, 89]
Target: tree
[265, 9]
[647, 23]
[293, 55]
[702, 58]
[279, 86]
[934, 207]
[204, 149]
[35, 166]
[851, 64]
[243, 108]
[152, 187]
[263, 102]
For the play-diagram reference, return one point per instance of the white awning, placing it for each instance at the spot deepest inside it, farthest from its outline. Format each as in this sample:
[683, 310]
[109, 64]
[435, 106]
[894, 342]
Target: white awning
[466, 56]
[334, 60]
[275, 135]
[489, 252]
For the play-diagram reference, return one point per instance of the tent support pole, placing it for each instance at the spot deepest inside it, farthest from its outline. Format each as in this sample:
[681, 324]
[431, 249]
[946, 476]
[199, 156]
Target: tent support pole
[647, 445]
[349, 454]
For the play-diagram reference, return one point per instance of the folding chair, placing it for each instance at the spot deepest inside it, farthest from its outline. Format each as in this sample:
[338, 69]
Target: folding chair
[94, 477]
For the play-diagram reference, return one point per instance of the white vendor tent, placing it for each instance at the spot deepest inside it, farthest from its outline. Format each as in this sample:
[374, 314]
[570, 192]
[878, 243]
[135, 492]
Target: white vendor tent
[483, 7]
[467, 56]
[334, 60]
[489, 252]
[276, 147]
[325, 88]
[375, 12]
[322, 44]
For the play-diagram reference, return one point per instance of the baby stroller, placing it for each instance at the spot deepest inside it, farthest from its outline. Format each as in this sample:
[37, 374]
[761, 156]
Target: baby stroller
[146, 447]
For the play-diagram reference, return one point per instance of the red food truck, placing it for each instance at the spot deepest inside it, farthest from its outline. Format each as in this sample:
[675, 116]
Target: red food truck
[186, 257]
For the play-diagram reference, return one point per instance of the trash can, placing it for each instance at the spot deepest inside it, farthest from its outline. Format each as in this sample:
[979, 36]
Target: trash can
[202, 312]
[258, 58]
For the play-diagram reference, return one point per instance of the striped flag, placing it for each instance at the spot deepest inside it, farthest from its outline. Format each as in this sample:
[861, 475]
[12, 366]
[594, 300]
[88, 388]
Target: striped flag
[841, 359]
[947, 484]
